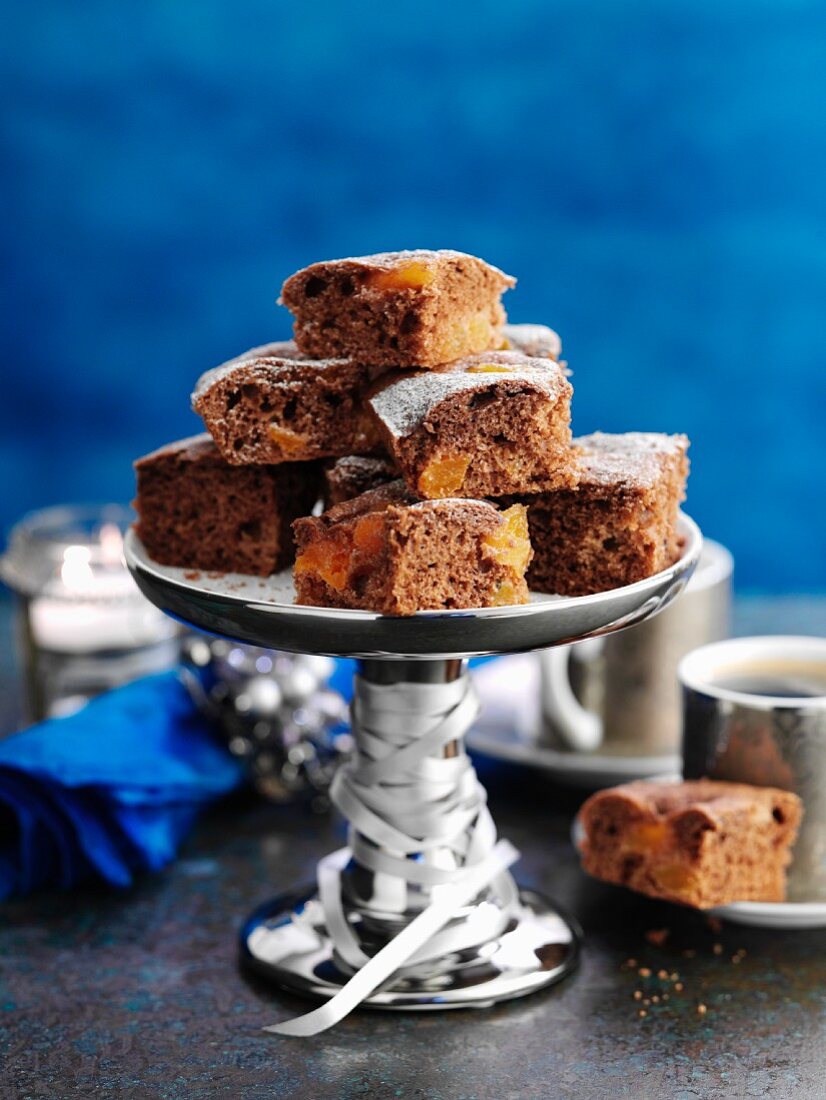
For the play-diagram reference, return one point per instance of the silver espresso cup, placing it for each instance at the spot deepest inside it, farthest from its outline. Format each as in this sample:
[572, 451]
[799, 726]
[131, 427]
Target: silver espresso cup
[767, 740]
[619, 695]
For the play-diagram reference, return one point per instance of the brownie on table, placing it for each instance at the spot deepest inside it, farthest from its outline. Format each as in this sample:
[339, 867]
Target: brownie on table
[485, 425]
[385, 551]
[398, 309]
[620, 524]
[272, 404]
[538, 341]
[353, 475]
[196, 511]
[701, 842]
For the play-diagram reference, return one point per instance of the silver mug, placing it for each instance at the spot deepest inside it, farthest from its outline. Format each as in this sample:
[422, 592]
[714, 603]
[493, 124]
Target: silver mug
[779, 740]
[619, 695]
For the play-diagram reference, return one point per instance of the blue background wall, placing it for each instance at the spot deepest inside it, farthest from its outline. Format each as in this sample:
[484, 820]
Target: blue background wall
[654, 173]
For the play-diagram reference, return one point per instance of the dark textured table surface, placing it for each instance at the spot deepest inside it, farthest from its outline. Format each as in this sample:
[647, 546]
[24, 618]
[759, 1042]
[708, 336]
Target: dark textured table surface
[138, 994]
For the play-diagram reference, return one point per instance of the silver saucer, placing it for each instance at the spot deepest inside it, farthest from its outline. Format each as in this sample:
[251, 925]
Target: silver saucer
[287, 939]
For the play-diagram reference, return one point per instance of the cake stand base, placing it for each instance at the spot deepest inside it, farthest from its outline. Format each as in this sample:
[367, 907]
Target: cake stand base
[286, 941]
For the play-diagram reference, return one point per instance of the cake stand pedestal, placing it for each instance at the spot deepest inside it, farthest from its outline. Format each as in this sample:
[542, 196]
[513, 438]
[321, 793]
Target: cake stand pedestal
[419, 911]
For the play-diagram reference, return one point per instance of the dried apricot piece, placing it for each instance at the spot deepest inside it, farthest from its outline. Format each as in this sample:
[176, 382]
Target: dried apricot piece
[329, 559]
[510, 544]
[369, 534]
[487, 368]
[647, 834]
[475, 332]
[443, 477]
[288, 441]
[412, 276]
[505, 594]
[674, 878]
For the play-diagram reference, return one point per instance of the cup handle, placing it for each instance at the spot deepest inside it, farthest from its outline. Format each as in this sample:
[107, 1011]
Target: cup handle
[577, 728]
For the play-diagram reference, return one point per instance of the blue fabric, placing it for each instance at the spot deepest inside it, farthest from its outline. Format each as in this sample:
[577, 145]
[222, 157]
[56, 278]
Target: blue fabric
[108, 792]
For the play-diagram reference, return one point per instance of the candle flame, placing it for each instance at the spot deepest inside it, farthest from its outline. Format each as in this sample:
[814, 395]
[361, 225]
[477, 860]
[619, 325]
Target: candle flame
[111, 544]
[76, 571]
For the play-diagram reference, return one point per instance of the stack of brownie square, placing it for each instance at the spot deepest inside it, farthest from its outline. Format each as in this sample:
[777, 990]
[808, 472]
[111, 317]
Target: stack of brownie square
[438, 437]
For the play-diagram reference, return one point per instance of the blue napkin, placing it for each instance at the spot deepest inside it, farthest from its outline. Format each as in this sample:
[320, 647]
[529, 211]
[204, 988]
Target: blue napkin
[110, 791]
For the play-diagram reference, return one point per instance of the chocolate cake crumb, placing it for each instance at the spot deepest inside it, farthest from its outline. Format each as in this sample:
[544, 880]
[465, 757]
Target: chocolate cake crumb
[415, 308]
[619, 524]
[272, 408]
[197, 512]
[701, 843]
[353, 475]
[483, 426]
[385, 551]
[657, 937]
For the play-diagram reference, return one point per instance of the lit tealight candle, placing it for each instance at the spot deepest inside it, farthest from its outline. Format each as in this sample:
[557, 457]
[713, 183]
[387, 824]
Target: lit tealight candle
[87, 625]
[87, 609]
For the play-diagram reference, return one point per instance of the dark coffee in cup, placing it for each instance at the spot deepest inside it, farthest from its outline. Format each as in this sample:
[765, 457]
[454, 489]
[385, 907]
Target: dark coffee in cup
[780, 679]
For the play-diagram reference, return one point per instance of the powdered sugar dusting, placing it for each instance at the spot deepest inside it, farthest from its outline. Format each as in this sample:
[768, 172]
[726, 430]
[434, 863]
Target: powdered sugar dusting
[631, 459]
[193, 449]
[278, 349]
[386, 261]
[360, 464]
[277, 589]
[449, 505]
[404, 403]
[535, 340]
[271, 367]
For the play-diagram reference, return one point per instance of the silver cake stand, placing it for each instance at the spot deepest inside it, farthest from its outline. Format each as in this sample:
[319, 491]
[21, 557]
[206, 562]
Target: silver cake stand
[501, 943]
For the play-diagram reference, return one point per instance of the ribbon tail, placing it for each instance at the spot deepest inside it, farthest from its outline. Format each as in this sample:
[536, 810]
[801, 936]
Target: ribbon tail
[396, 953]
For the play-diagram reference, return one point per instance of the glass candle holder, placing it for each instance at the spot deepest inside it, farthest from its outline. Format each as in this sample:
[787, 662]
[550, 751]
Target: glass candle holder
[82, 624]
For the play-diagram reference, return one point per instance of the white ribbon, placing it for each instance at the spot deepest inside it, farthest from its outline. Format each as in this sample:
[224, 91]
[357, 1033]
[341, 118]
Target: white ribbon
[405, 798]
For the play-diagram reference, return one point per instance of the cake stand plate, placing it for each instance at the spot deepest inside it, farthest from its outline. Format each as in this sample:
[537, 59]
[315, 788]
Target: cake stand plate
[260, 611]
[420, 911]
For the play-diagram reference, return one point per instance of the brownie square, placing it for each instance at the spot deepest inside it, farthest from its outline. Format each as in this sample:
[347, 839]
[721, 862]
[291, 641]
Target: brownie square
[196, 511]
[387, 552]
[353, 475]
[620, 523]
[273, 405]
[538, 341]
[700, 843]
[398, 309]
[483, 426]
